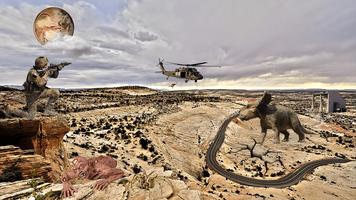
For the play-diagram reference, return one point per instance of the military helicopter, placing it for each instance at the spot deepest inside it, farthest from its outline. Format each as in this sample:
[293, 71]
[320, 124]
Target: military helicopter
[187, 71]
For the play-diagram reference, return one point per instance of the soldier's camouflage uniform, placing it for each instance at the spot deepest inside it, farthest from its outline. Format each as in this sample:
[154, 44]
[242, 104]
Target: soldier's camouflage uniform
[36, 89]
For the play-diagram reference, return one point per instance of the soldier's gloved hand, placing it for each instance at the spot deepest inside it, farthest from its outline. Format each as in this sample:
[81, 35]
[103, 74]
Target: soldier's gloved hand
[60, 67]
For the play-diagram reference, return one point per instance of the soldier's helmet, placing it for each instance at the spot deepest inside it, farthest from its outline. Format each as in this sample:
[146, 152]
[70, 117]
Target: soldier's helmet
[41, 62]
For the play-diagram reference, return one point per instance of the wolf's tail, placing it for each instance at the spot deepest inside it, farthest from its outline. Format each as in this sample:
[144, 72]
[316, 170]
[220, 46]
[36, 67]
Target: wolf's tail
[308, 131]
[297, 126]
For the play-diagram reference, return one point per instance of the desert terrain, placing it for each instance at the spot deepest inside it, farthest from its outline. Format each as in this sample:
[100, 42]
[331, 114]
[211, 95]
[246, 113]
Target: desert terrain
[167, 133]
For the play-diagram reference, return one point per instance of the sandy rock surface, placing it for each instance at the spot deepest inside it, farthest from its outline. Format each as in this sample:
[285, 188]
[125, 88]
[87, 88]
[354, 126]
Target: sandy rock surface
[160, 140]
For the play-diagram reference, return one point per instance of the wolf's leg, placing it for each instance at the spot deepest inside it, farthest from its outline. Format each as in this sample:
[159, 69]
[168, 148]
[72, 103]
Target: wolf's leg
[276, 132]
[286, 135]
[300, 133]
[264, 133]
[297, 127]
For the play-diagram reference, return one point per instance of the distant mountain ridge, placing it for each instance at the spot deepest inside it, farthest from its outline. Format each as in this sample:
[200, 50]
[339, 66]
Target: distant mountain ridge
[137, 87]
[10, 88]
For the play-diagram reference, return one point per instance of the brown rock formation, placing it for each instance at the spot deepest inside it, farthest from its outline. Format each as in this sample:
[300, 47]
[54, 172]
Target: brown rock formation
[43, 135]
[16, 163]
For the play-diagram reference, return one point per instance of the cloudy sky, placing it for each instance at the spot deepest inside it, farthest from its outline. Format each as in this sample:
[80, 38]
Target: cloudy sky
[261, 44]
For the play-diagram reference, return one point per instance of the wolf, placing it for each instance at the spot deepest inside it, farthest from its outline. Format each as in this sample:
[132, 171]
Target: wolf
[275, 117]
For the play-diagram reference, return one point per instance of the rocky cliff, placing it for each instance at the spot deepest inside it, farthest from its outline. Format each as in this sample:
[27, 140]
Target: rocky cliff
[34, 141]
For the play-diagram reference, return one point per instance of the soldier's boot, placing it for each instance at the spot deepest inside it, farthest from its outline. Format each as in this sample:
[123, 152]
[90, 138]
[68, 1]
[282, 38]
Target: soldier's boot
[14, 112]
[4, 112]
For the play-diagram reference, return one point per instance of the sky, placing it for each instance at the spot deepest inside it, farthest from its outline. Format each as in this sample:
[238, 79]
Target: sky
[271, 44]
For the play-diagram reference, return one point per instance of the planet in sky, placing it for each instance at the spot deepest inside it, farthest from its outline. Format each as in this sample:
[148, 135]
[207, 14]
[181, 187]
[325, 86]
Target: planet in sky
[52, 23]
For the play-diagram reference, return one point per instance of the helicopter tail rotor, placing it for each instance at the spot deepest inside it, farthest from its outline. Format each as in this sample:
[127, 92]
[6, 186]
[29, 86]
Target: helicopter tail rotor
[160, 64]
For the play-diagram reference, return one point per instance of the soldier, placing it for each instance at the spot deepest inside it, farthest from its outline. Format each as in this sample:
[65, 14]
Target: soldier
[35, 86]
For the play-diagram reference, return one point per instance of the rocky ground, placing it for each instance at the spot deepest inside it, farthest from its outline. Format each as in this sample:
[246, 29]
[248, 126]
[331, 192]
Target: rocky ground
[168, 133]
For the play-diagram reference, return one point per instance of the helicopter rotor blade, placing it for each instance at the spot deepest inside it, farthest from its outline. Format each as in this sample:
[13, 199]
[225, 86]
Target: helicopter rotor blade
[208, 66]
[194, 64]
[176, 64]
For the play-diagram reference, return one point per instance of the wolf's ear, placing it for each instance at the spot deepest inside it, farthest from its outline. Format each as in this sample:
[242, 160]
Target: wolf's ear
[265, 99]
